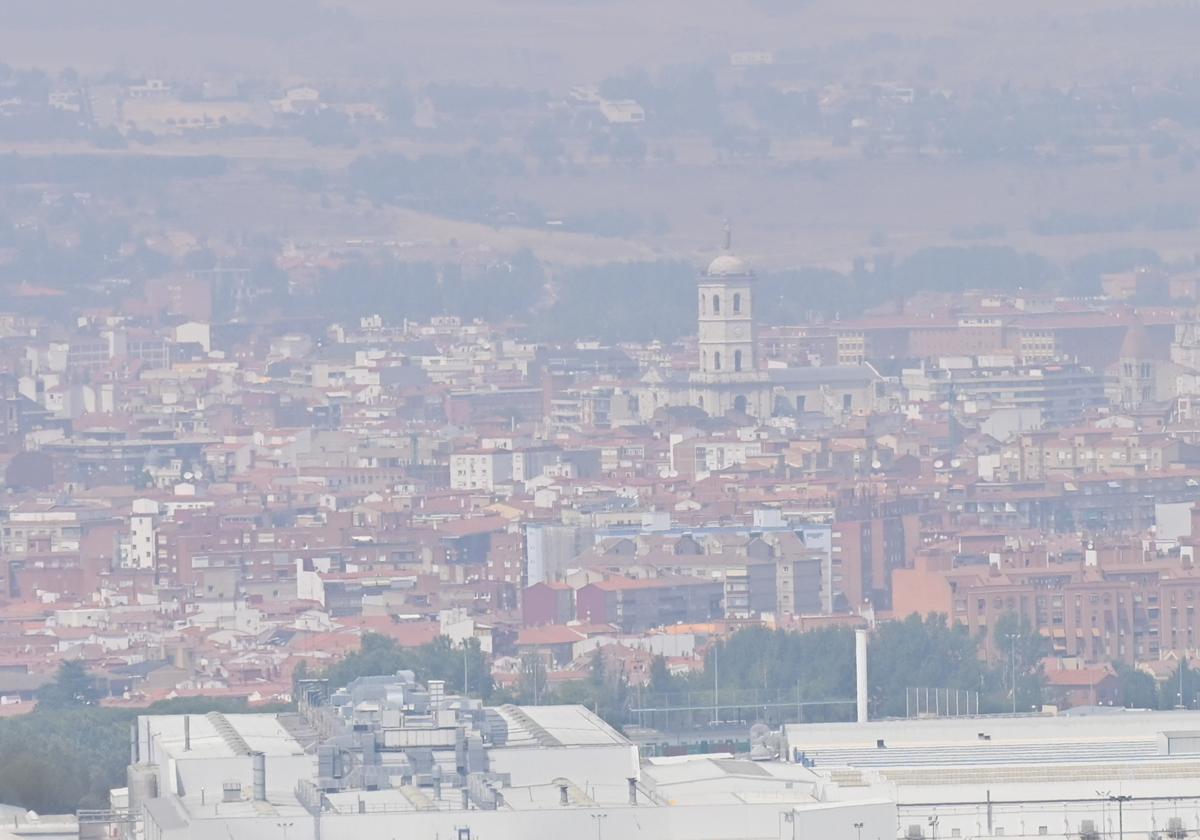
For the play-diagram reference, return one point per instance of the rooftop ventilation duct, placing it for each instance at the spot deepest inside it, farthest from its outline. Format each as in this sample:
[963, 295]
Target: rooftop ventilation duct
[258, 772]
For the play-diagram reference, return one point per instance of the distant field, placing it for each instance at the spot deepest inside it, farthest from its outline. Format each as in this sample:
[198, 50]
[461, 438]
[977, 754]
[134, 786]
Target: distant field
[812, 204]
[824, 207]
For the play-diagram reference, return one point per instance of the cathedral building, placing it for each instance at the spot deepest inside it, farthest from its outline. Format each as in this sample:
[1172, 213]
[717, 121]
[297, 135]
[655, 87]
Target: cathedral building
[730, 378]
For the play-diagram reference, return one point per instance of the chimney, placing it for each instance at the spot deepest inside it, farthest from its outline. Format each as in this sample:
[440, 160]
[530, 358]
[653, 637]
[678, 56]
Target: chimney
[258, 769]
[187, 732]
[437, 694]
[860, 672]
[632, 790]
[133, 742]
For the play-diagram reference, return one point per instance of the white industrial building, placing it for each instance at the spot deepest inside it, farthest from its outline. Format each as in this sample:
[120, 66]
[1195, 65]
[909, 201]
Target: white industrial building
[1085, 775]
[387, 758]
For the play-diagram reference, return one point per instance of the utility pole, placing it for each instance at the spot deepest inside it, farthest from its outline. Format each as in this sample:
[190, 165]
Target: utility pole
[1120, 799]
[716, 686]
[1012, 640]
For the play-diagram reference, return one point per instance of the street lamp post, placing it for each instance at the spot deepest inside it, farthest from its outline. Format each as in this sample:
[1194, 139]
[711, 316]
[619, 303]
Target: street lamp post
[716, 686]
[858, 827]
[599, 818]
[1120, 799]
[1012, 641]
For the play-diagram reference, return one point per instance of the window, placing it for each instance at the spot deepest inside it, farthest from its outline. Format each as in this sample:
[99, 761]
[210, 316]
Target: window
[717, 360]
[737, 302]
[716, 305]
[737, 354]
[800, 403]
[847, 402]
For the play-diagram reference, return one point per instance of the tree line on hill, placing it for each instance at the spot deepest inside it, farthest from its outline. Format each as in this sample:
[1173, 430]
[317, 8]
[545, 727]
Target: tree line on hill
[646, 301]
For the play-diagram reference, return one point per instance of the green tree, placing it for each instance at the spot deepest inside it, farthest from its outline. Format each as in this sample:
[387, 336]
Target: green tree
[531, 684]
[1021, 649]
[71, 687]
[660, 676]
[440, 659]
[1138, 689]
[1181, 689]
[919, 652]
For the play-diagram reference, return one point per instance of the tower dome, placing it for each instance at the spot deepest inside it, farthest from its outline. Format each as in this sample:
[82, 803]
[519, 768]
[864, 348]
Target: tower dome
[727, 265]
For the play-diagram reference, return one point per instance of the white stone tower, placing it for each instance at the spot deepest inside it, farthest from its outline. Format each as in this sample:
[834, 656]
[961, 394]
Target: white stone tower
[728, 346]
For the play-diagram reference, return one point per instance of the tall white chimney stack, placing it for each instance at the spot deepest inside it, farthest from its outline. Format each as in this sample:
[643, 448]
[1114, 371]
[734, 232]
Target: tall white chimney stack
[860, 671]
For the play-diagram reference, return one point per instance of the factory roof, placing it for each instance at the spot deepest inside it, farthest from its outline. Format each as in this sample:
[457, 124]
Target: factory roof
[218, 735]
[1078, 745]
[557, 726]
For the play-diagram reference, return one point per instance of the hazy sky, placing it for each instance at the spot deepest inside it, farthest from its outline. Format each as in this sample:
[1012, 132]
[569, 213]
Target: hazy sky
[559, 42]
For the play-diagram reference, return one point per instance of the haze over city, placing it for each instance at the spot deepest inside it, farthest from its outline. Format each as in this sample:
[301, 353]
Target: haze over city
[676, 420]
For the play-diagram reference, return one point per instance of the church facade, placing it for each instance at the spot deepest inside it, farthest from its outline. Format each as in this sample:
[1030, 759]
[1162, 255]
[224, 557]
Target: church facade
[731, 378]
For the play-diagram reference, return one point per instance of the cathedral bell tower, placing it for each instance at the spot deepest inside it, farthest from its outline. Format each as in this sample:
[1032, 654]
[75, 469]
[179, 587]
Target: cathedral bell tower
[728, 346]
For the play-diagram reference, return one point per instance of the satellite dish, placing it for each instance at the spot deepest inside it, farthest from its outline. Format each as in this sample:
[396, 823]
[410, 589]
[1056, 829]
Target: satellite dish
[956, 462]
[876, 465]
[938, 464]
[188, 476]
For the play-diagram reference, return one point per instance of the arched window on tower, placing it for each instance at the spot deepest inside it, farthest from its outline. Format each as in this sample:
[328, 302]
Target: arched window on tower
[737, 358]
[717, 360]
[703, 304]
[704, 360]
[737, 302]
[716, 305]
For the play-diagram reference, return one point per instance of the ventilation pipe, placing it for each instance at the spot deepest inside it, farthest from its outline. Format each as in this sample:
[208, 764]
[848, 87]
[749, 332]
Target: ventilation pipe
[133, 743]
[860, 672]
[632, 790]
[187, 732]
[258, 769]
